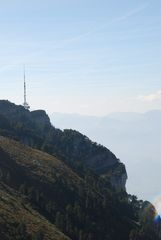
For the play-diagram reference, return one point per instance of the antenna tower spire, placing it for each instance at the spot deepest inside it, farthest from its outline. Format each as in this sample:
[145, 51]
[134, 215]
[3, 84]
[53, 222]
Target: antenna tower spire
[25, 104]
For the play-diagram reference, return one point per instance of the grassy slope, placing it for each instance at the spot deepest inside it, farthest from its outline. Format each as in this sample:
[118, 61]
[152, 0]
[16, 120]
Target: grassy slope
[36, 161]
[14, 209]
[39, 165]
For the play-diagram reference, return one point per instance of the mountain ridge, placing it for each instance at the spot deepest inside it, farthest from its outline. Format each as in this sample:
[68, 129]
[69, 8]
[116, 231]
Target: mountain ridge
[35, 130]
[69, 184]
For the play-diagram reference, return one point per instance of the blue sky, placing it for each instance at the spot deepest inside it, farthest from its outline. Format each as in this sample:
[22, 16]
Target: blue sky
[89, 57]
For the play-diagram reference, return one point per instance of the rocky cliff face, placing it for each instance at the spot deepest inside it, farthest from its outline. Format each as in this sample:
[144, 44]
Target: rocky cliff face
[34, 129]
[119, 182]
[41, 119]
[81, 150]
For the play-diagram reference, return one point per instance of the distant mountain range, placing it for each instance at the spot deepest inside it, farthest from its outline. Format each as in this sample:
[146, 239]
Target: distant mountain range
[134, 137]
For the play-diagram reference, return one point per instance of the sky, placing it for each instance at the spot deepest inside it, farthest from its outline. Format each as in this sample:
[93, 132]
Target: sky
[86, 56]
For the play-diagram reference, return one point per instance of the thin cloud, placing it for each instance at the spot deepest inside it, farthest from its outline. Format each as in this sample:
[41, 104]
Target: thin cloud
[116, 20]
[151, 97]
[131, 13]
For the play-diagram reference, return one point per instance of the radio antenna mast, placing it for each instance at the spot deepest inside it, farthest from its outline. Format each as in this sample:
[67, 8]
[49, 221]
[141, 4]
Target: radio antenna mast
[25, 104]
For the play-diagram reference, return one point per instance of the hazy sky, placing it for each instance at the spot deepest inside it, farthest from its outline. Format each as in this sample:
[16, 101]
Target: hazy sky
[86, 56]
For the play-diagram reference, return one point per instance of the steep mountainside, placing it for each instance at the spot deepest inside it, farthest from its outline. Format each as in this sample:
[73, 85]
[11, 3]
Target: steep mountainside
[34, 129]
[76, 205]
[60, 185]
[81, 208]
